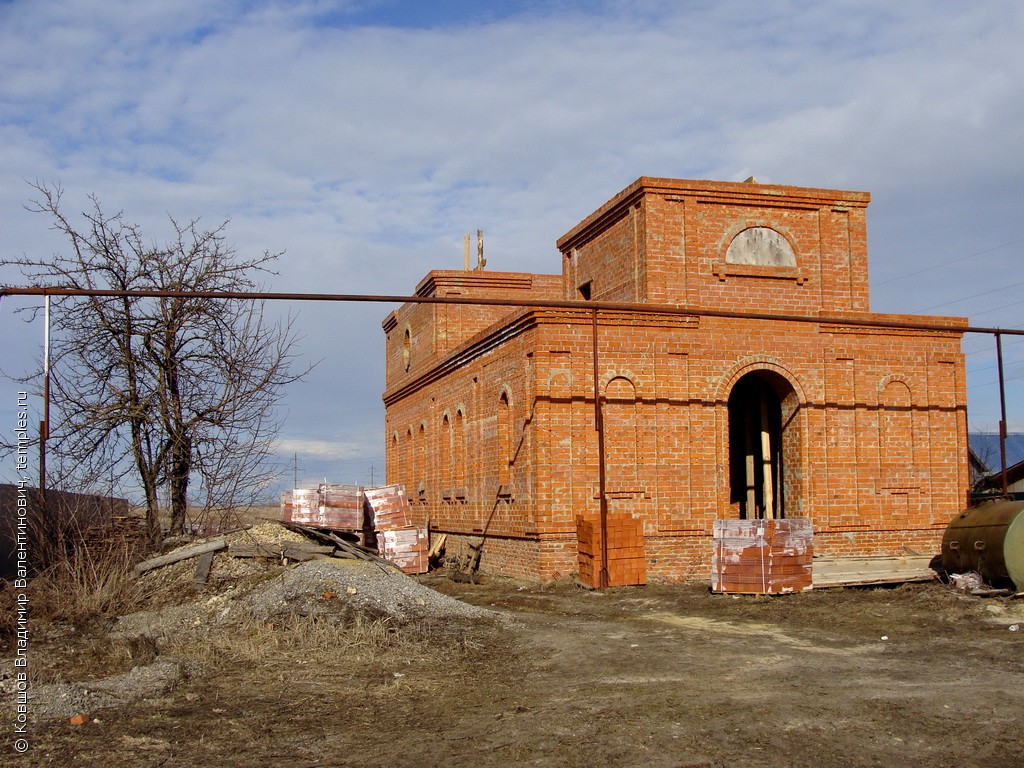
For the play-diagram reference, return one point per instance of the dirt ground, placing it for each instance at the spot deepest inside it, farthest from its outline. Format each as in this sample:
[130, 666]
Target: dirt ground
[664, 675]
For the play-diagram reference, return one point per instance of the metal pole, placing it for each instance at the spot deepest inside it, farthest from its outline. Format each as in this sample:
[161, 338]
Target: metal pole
[599, 427]
[44, 424]
[1002, 411]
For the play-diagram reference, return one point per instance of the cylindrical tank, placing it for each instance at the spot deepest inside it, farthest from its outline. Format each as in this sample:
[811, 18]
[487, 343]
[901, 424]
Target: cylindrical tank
[988, 539]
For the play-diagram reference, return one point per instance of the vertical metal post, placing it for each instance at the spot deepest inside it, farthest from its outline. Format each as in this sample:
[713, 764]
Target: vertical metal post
[44, 424]
[1002, 410]
[599, 427]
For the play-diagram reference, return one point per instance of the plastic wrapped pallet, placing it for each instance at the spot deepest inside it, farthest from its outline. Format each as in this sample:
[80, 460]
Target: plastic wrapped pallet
[389, 507]
[300, 506]
[762, 557]
[405, 547]
[341, 506]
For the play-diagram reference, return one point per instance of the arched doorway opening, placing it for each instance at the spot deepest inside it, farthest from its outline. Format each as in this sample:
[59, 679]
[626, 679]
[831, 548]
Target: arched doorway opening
[764, 446]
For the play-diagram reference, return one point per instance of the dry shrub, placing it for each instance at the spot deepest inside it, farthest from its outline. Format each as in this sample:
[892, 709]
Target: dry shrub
[89, 577]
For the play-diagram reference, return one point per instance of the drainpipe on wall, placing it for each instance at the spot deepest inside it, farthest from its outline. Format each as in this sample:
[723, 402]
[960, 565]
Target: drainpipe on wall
[599, 427]
[1002, 412]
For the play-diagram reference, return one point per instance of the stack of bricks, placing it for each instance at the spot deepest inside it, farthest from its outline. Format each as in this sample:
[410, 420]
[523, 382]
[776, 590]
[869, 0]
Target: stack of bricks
[341, 506]
[301, 506]
[389, 507]
[398, 539]
[332, 507]
[406, 547]
[627, 564]
[762, 557]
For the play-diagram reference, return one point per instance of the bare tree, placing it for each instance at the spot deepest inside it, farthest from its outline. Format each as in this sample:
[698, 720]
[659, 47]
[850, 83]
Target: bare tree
[160, 392]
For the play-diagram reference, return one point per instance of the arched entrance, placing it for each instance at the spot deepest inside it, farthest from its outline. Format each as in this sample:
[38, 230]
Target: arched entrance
[764, 446]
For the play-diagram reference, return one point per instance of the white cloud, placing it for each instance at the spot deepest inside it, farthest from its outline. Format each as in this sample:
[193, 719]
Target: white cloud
[321, 449]
[366, 150]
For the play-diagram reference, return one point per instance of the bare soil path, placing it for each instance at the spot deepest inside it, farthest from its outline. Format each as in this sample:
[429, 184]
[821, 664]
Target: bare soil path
[657, 676]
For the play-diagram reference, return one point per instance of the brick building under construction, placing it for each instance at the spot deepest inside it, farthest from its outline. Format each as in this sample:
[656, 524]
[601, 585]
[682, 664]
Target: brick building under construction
[711, 408]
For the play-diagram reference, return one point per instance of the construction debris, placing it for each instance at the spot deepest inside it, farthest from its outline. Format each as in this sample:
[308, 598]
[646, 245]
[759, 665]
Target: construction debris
[296, 551]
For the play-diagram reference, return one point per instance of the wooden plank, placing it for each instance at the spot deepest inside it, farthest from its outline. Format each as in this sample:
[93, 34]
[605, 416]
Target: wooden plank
[437, 545]
[255, 550]
[203, 566]
[293, 550]
[766, 462]
[344, 548]
[873, 569]
[301, 551]
[213, 545]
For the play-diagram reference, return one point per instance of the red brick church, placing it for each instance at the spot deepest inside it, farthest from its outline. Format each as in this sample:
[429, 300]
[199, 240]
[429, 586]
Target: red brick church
[854, 420]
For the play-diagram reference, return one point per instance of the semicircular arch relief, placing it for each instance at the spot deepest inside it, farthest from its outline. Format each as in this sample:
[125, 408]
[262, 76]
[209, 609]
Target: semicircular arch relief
[760, 246]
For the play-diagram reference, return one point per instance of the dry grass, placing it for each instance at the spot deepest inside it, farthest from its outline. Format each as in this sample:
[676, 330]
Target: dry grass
[309, 638]
[89, 578]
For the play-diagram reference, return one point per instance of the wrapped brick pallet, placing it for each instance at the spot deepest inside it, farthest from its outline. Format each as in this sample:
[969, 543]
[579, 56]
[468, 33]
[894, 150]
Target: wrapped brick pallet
[342, 506]
[762, 557]
[389, 507]
[405, 547]
[401, 542]
[301, 506]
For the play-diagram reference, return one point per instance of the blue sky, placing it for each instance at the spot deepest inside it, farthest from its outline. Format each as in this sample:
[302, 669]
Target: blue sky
[364, 139]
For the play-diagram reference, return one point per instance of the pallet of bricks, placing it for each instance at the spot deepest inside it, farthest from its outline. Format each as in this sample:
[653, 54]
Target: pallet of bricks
[762, 557]
[627, 560]
[378, 516]
[398, 539]
[331, 507]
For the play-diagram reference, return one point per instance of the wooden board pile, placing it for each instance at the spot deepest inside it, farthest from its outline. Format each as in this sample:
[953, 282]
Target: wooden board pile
[762, 557]
[627, 559]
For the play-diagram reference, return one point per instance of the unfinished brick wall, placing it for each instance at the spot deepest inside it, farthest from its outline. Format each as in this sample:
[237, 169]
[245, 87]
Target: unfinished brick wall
[490, 412]
[666, 241]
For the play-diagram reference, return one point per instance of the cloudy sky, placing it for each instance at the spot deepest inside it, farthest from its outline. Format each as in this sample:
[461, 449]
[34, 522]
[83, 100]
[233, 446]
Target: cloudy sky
[364, 138]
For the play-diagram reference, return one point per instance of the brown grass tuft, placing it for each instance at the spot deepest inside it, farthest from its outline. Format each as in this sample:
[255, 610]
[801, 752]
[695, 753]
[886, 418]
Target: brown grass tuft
[88, 579]
[313, 639]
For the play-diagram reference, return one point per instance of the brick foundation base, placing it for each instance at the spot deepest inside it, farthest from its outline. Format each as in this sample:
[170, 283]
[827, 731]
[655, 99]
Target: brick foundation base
[669, 558]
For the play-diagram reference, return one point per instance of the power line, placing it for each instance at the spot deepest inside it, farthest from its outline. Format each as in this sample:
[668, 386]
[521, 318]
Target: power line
[947, 263]
[968, 298]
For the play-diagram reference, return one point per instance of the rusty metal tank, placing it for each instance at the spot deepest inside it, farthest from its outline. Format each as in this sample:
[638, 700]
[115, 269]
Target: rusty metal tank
[988, 539]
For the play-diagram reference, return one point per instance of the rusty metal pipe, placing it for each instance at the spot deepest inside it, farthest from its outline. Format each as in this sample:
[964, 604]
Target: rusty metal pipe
[602, 579]
[1002, 412]
[603, 306]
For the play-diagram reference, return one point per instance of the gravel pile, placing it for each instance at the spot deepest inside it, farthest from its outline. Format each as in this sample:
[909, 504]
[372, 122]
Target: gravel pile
[63, 700]
[331, 587]
[324, 586]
